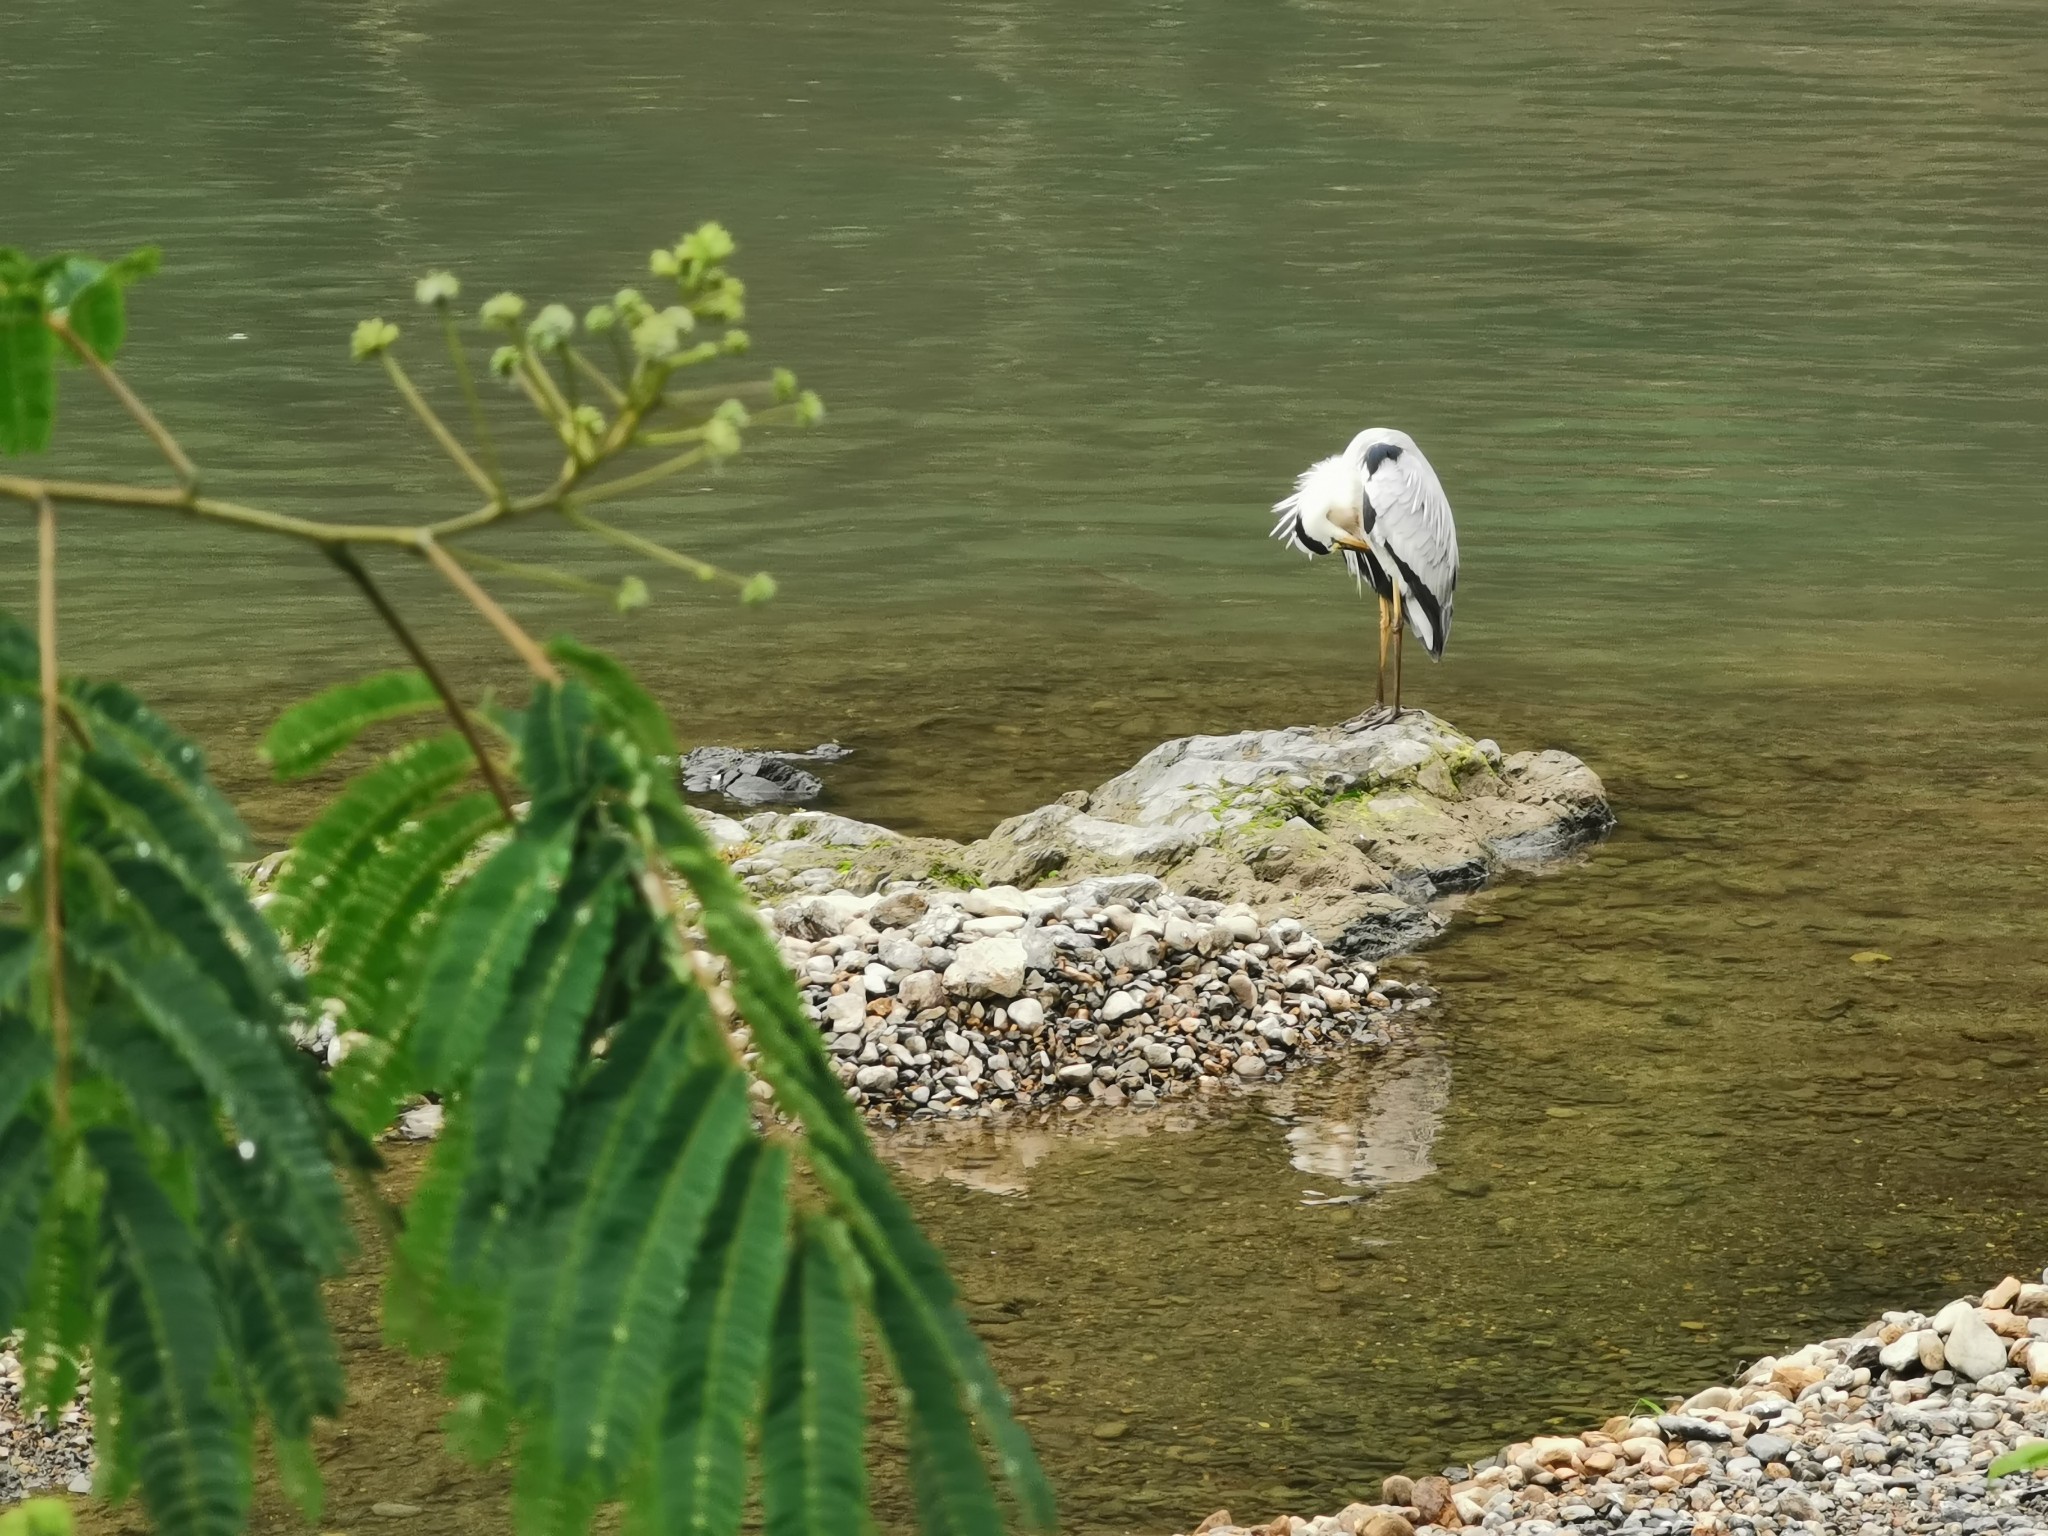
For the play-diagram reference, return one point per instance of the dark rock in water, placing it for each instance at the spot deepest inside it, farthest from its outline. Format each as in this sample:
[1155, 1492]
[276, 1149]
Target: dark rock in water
[1389, 931]
[757, 778]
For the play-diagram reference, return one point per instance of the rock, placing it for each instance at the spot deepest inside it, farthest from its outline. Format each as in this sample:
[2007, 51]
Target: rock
[1111, 1429]
[1903, 1353]
[1972, 1348]
[921, 990]
[1952, 1314]
[1249, 1066]
[2035, 1358]
[1397, 1490]
[2032, 1301]
[79, 1483]
[1432, 1498]
[1388, 1524]
[1027, 1013]
[846, 1010]
[751, 778]
[2002, 1295]
[1681, 1427]
[392, 1510]
[876, 1078]
[1118, 1005]
[1216, 1522]
[421, 1123]
[1135, 954]
[988, 968]
[1769, 1447]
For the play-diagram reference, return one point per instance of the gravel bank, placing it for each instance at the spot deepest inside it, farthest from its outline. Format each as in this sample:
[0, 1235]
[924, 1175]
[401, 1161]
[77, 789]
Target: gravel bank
[1106, 992]
[35, 1457]
[1889, 1430]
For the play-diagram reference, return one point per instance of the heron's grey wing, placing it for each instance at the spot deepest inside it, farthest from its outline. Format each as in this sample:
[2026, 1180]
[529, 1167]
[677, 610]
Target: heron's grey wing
[1412, 529]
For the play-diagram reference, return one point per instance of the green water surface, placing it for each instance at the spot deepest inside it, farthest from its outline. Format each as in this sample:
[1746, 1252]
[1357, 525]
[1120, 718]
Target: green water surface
[1727, 328]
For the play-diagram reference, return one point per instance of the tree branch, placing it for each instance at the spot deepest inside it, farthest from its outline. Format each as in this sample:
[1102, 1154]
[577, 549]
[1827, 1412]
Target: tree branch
[535, 658]
[450, 445]
[345, 557]
[144, 418]
[53, 825]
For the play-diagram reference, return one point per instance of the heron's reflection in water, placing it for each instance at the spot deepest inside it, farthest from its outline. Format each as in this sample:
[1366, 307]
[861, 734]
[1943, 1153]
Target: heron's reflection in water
[1366, 1130]
[1355, 1126]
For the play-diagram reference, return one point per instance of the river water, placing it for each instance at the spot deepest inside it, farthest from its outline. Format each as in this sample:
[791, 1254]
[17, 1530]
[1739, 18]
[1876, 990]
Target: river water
[1724, 327]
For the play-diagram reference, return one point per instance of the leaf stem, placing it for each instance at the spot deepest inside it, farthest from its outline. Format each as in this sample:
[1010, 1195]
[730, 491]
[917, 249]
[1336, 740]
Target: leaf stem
[596, 375]
[130, 402]
[450, 445]
[508, 629]
[486, 444]
[53, 861]
[625, 485]
[352, 568]
[703, 570]
[546, 575]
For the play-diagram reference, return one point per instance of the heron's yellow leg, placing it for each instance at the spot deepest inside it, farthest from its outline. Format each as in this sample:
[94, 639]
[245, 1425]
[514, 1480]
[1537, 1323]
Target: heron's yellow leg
[1379, 695]
[1397, 650]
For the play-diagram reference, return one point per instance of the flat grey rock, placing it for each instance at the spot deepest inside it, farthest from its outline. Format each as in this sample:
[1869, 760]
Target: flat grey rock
[757, 778]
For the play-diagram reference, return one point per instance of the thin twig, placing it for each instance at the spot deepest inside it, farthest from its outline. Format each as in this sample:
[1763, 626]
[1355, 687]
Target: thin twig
[625, 485]
[144, 418]
[535, 658]
[546, 575]
[53, 847]
[450, 445]
[345, 557]
[596, 375]
[703, 570]
[484, 441]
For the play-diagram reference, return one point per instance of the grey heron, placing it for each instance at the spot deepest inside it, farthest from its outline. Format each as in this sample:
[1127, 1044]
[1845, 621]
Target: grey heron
[1381, 505]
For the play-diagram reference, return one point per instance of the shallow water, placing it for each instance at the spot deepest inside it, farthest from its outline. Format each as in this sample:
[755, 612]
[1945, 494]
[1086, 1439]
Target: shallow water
[1724, 329]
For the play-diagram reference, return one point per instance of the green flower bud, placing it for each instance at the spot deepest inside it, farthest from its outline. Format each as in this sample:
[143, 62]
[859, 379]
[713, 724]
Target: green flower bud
[503, 310]
[654, 338]
[710, 245]
[632, 594]
[631, 307]
[588, 418]
[732, 411]
[551, 328]
[371, 339]
[760, 588]
[721, 438]
[735, 342]
[599, 319]
[785, 385]
[436, 289]
[681, 318]
[810, 410]
[505, 362]
[663, 263]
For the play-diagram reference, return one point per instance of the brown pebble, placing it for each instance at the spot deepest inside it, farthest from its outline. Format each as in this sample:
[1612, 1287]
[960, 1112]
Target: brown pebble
[1386, 1525]
[1397, 1490]
[1214, 1522]
[1432, 1500]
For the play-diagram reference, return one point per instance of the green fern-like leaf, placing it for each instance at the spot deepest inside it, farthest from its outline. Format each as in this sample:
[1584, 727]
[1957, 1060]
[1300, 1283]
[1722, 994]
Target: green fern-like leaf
[246, 1070]
[24, 1185]
[57, 1326]
[812, 1473]
[37, 1517]
[482, 937]
[375, 939]
[555, 751]
[954, 1496]
[123, 726]
[18, 952]
[329, 855]
[621, 697]
[25, 1057]
[516, 1097]
[161, 828]
[310, 733]
[615, 1337]
[163, 1341]
[721, 1349]
[793, 1059]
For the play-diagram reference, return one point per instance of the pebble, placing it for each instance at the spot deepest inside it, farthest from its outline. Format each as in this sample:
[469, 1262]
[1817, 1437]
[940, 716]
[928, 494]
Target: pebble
[1857, 1435]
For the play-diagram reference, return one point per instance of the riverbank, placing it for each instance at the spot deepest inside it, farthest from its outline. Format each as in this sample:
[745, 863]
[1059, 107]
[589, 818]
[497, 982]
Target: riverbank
[1889, 1429]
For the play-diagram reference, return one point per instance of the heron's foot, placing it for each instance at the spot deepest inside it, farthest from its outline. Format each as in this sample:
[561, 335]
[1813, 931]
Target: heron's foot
[1365, 720]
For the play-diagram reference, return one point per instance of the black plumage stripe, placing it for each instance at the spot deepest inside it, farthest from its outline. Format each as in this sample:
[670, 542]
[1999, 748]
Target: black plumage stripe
[1426, 600]
[1368, 570]
[1378, 454]
[1292, 532]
